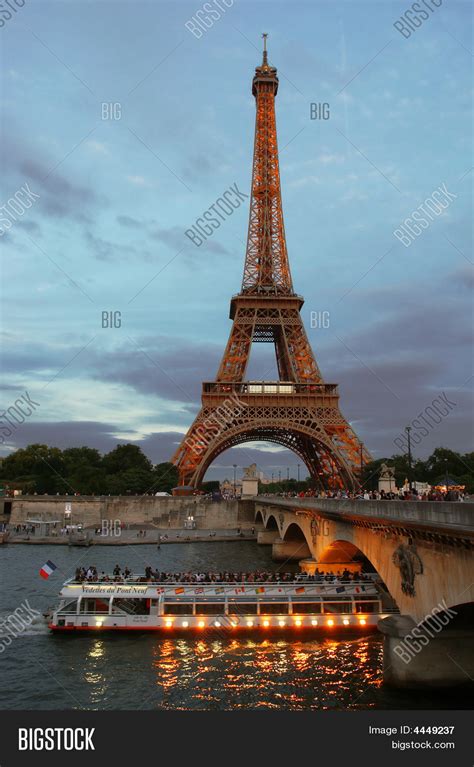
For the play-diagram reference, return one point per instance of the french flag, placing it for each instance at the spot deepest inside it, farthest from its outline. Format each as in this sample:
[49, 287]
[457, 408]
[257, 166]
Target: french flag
[47, 569]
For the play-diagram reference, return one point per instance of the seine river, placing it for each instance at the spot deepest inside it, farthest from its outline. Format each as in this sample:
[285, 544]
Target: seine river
[44, 671]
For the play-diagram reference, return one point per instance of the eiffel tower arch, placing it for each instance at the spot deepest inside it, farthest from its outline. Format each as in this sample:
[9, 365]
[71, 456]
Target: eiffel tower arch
[299, 410]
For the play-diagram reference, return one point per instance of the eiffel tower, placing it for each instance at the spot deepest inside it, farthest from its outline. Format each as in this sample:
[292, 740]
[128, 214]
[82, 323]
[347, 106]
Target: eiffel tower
[299, 411]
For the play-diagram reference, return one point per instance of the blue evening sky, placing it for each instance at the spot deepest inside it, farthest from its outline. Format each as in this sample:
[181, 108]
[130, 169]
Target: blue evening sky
[115, 196]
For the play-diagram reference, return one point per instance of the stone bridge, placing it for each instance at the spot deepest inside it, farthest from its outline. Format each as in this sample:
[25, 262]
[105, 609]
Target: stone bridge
[422, 551]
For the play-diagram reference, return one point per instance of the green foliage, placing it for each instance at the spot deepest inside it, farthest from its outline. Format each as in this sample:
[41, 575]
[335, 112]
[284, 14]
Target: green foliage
[442, 462]
[125, 457]
[286, 486]
[212, 484]
[165, 477]
[125, 470]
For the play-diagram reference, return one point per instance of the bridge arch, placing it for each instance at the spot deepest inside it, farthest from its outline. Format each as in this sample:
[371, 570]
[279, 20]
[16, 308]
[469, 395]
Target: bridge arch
[295, 533]
[345, 552]
[272, 523]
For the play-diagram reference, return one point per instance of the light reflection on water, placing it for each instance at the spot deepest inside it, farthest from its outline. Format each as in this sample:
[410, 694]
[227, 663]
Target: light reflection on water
[264, 673]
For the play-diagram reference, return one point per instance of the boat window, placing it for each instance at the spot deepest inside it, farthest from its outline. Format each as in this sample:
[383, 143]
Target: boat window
[337, 607]
[178, 608]
[274, 608]
[68, 607]
[216, 608]
[305, 608]
[132, 606]
[367, 607]
[243, 608]
[94, 605]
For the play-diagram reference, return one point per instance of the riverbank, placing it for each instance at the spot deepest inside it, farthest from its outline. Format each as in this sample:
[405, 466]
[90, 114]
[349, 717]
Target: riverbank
[130, 538]
[154, 512]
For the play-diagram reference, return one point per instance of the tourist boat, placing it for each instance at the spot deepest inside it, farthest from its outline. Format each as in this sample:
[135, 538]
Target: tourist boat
[171, 607]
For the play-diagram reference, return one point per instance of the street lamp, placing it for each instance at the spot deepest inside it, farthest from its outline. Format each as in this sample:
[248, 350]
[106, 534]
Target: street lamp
[235, 467]
[408, 430]
[67, 515]
[298, 465]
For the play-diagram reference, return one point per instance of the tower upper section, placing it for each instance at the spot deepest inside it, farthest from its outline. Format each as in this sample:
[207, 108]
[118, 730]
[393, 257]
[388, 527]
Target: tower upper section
[267, 270]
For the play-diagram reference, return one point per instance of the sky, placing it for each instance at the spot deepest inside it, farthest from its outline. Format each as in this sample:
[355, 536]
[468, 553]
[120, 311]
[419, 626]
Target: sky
[108, 202]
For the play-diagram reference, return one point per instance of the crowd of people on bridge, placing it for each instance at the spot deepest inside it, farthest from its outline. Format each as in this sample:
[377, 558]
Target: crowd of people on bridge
[376, 495]
[120, 575]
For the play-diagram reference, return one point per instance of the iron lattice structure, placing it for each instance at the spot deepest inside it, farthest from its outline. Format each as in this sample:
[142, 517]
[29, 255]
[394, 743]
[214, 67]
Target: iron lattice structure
[300, 411]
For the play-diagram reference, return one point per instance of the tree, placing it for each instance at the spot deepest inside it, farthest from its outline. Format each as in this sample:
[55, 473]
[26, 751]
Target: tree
[136, 481]
[88, 480]
[125, 457]
[443, 461]
[81, 456]
[165, 477]
[210, 485]
[40, 466]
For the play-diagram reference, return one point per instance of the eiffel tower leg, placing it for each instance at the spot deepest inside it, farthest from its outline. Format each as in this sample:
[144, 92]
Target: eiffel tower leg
[294, 350]
[237, 352]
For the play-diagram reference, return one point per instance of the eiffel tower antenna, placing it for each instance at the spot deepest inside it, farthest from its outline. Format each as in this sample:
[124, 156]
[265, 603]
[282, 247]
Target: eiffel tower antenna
[299, 410]
[265, 55]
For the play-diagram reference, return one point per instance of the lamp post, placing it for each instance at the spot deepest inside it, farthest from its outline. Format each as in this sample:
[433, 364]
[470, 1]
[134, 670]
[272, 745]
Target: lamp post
[287, 473]
[235, 490]
[408, 430]
[279, 476]
[298, 469]
[446, 473]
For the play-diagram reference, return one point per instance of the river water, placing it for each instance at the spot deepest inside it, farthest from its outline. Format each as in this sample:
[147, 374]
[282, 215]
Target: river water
[39, 670]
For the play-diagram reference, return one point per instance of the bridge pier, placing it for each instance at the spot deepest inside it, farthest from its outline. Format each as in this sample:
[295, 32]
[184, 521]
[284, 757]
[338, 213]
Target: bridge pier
[283, 551]
[414, 656]
[308, 565]
[266, 537]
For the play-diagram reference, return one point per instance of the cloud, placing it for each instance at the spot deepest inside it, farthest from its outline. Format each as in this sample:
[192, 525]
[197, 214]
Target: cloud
[328, 158]
[199, 165]
[138, 181]
[464, 276]
[129, 221]
[106, 250]
[176, 239]
[30, 226]
[97, 147]
[59, 197]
